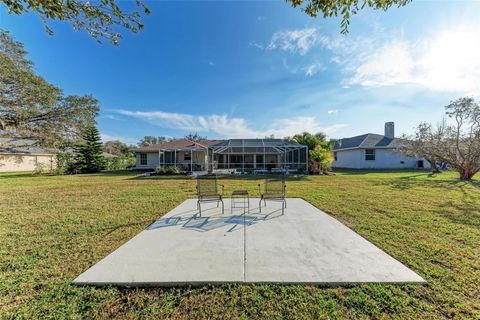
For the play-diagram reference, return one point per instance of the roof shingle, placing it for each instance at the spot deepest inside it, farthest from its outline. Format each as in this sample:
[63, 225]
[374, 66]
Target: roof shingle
[369, 140]
[177, 144]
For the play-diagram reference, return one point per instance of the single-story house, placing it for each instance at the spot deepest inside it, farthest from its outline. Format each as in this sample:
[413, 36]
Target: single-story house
[374, 151]
[225, 156]
[22, 155]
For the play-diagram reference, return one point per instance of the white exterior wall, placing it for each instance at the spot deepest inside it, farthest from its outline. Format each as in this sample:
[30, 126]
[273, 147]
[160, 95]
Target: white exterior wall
[152, 160]
[199, 157]
[384, 159]
[26, 162]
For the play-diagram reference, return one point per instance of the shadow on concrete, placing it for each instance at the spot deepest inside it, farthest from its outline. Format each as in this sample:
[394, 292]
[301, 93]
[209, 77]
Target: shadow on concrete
[191, 219]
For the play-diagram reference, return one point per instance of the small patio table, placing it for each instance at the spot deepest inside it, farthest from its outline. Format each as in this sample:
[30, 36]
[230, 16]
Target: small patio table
[240, 199]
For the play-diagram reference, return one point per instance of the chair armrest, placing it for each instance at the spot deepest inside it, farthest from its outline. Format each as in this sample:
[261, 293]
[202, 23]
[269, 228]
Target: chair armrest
[223, 188]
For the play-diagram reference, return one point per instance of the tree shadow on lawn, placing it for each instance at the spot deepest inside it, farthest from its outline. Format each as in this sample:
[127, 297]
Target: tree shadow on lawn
[466, 213]
[407, 182]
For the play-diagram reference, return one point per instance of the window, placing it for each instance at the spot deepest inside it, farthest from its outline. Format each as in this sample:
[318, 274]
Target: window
[143, 159]
[335, 155]
[187, 156]
[369, 154]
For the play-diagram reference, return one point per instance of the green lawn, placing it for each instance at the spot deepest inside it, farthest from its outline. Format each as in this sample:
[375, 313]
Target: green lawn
[52, 228]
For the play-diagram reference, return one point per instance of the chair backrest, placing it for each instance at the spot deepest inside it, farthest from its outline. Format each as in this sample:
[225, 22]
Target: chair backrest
[275, 183]
[207, 184]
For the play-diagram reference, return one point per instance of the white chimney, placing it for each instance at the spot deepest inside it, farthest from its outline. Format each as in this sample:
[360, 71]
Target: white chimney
[390, 130]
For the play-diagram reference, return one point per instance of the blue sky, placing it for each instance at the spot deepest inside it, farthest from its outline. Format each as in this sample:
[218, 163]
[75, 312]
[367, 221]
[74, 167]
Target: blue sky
[256, 68]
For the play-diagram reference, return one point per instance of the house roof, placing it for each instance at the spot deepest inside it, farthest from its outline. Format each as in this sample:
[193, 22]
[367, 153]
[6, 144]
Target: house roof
[220, 144]
[369, 140]
[178, 144]
[21, 146]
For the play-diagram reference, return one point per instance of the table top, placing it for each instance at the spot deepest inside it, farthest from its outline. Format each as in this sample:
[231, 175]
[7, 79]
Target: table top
[240, 193]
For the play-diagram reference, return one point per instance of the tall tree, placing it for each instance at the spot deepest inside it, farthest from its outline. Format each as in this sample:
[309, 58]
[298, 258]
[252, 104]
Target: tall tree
[319, 150]
[116, 148]
[150, 140]
[420, 145]
[89, 154]
[100, 19]
[456, 143]
[32, 108]
[195, 137]
[343, 8]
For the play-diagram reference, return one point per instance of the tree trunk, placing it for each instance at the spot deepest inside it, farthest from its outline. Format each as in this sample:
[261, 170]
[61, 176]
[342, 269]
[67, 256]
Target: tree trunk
[433, 166]
[466, 174]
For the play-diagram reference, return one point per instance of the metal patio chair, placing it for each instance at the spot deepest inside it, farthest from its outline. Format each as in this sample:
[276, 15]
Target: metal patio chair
[274, 190]
[207, 191]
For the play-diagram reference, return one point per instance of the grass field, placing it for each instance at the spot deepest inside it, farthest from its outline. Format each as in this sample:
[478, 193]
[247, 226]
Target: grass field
[52, 228]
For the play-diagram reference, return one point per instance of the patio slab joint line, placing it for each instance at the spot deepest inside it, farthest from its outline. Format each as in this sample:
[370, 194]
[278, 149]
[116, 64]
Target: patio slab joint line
[244, 248]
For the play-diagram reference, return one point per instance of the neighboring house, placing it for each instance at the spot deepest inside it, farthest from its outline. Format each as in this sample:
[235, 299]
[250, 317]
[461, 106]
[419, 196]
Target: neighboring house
[22, 155]
[374, 151]
[232, 155]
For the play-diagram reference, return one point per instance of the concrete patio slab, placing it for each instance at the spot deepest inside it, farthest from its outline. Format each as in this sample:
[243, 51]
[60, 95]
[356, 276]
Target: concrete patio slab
[305, 245]
[308, 246]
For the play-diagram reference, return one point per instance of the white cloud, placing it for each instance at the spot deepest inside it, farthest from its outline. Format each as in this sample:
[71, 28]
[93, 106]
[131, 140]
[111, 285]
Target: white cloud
[109, 137]
[256, 45]
[211, 63]
[446, 62]
[231, 127]
[313, 68]
[298, 40]
[166, 119]
[261, 18]
[389, 65]
[332, 111]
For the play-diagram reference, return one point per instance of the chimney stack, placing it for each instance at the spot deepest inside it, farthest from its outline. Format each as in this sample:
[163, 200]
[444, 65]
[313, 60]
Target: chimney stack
[390, 130]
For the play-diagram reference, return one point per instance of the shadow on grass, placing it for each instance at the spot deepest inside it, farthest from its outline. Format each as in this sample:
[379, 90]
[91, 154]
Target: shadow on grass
[466, 213]
[408, 182]
[17, 175]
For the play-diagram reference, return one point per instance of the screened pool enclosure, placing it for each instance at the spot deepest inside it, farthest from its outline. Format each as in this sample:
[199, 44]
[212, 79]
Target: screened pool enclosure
[258, 155]
[227, 156]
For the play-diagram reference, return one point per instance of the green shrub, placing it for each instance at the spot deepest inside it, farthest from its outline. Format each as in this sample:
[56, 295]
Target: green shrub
[167, 170]
[65, 163]
[119, 163]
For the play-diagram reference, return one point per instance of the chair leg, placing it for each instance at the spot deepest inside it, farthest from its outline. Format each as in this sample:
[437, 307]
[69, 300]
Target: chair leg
[223, 207]
[217, 204]
[284, 205]
[199, 208]
[260, 205]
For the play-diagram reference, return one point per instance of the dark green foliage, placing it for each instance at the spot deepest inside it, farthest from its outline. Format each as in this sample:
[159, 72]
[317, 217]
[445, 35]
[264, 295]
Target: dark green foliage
[149, 140]
[344, 8]
[195, 137]
[167, 170]
[319, 150]
[98, 18]
[89, 154]
[117, 148]
[65, 163]
[32, 108]
[119, 163]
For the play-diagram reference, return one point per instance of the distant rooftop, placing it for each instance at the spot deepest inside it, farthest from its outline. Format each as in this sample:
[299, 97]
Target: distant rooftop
[185, 144]
[21, 146]
[368, 141]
